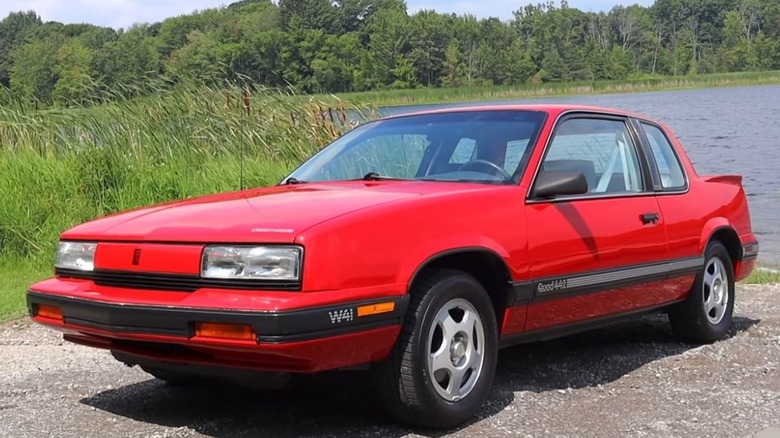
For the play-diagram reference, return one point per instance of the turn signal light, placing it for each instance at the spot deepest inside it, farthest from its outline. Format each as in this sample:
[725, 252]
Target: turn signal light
[49, 312]
[375, 309]
[225, 331]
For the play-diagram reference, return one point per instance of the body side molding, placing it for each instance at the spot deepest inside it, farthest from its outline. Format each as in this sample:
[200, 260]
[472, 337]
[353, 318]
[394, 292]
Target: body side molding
[599, 281]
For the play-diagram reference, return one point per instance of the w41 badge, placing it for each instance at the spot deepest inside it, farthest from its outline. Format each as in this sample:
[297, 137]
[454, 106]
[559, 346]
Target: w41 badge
[343, 315]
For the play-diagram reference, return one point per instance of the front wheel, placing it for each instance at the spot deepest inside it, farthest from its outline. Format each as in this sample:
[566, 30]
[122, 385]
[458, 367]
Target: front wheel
[441, 369]
[705, 316]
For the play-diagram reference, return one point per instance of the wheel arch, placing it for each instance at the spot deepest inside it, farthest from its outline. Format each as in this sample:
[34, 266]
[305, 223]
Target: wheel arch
[727, 235]
[484, 264]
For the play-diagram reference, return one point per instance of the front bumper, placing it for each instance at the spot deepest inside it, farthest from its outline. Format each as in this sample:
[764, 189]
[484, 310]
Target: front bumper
[293, 340]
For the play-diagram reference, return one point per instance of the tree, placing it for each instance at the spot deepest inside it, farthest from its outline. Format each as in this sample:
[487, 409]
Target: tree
[73, 68]
[13, 30]
[334, 66]
[429, 38]
[520, 68]
[345, 45]
[388, 34]
[34, 72]
[453, 69]
[125, 65]
[197, 60]
[174, 32]
[404, 74]
[310, 14]
[266, 64]
[554, 68]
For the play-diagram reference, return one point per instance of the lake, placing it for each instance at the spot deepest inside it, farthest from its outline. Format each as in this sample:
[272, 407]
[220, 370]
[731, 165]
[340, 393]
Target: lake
[724, 130]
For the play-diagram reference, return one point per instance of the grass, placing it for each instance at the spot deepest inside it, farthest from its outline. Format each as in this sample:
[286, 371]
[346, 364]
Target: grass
[59, 168]
[15, 277]
[763, 275]
[526, 91]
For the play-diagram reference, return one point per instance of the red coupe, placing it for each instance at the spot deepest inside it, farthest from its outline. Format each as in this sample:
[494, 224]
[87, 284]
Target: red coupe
[415, 246]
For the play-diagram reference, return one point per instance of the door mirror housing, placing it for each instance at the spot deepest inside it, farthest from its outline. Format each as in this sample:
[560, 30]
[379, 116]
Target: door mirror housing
[550, 184]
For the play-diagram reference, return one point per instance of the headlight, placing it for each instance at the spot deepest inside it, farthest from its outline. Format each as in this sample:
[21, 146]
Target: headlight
[252, 262]
[76, 255]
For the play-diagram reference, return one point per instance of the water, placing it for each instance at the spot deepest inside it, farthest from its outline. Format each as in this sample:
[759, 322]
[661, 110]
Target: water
[723, 130]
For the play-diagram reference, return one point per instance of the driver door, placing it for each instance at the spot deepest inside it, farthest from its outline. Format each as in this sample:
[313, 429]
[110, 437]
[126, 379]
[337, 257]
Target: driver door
[590, 254]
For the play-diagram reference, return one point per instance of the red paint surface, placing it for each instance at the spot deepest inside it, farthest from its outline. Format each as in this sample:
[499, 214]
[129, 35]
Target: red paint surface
[546, 314]
[158, 258]
[514, 320]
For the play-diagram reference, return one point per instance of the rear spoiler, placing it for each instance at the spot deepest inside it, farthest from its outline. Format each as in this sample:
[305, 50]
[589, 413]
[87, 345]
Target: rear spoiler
[731, 179]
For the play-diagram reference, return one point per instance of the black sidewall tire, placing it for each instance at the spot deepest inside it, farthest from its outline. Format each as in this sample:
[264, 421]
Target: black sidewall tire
[470, 290]
[689, 318]
[403, 381]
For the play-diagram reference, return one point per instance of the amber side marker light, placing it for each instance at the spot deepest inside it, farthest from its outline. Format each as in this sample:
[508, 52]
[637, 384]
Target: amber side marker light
[225, 331]
[375, 309]
[49, 312]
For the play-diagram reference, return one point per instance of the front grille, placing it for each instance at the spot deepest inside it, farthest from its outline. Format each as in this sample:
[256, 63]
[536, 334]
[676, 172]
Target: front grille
[173, 282]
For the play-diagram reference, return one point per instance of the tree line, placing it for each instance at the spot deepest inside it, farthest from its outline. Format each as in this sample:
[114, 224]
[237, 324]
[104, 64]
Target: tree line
[318, 46]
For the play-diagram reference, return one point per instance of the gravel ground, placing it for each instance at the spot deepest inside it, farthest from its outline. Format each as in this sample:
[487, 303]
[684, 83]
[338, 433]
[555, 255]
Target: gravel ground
[630, 380]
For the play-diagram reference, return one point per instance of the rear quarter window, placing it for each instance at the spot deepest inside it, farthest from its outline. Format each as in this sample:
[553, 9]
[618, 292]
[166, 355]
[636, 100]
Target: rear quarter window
[669, 168]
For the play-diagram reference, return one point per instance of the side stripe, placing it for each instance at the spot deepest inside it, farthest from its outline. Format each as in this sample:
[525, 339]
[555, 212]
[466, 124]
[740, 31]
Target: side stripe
[583, 283]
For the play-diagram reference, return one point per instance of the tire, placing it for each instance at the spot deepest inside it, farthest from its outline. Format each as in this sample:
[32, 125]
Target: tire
[706, 315]
[418, 385]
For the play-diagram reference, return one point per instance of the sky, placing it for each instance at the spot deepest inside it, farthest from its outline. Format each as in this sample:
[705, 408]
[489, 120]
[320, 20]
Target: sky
[124, 13]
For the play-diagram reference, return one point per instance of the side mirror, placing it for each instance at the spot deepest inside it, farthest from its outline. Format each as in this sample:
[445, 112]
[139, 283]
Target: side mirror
[550, 184]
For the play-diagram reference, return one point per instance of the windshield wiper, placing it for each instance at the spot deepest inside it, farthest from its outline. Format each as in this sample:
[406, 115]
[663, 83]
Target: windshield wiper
[292, 180]
[373, 176]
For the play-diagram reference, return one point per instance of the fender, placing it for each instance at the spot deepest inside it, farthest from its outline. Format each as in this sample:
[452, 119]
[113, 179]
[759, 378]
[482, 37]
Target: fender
[715, 225]
[712, 226]
[430, 250]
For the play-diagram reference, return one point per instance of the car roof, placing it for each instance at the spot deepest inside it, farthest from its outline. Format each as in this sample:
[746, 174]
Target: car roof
[551, 109]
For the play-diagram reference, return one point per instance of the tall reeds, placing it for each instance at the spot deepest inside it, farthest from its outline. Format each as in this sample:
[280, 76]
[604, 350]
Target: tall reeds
[62, 167]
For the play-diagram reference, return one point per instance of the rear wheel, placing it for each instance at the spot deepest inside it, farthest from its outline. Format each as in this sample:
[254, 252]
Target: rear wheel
[441, 369]
[705, 316]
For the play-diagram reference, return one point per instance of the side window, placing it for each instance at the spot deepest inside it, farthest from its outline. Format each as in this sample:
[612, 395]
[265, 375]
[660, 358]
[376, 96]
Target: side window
[672, 176]
[601, 149]
[464, 151]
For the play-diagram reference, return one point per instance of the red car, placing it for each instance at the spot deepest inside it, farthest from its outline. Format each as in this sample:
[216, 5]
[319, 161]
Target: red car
[415, 246]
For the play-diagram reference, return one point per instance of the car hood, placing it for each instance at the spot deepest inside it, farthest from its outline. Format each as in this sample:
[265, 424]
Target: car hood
[275, 214]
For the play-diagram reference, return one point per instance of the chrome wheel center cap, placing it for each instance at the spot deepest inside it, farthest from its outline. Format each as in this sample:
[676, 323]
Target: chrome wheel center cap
[457, 352]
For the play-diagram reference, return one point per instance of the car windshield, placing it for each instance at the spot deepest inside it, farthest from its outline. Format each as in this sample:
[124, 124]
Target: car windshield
[487, 146]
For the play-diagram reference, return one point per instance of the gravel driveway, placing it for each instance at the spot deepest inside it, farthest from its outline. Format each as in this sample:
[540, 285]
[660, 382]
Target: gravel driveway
[626, 380]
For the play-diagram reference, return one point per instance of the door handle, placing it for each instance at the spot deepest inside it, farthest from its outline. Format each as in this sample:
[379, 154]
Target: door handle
[650, 218]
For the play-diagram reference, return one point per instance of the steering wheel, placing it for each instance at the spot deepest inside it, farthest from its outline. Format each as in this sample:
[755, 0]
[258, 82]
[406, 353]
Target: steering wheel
[492, 168]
